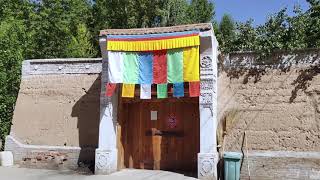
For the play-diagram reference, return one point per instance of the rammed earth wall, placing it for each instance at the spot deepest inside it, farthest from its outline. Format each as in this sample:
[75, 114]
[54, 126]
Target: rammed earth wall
[56, 117]
[276, 103]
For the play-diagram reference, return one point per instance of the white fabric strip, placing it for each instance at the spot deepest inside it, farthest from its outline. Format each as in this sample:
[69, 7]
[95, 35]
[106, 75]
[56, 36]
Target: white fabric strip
[145, 91]
[115, 66]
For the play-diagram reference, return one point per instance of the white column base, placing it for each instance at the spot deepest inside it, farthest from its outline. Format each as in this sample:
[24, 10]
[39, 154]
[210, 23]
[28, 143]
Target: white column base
[207, 166]
[6, 158]
[106, 161]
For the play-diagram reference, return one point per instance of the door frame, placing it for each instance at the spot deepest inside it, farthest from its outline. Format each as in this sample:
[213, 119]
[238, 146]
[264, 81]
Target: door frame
[106, 160]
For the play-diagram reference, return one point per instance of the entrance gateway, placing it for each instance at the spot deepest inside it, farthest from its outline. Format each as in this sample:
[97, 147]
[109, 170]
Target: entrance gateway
[147, 127]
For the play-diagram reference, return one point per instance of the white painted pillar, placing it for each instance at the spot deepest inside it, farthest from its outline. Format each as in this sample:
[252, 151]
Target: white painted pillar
[107, 153]
[208, 156]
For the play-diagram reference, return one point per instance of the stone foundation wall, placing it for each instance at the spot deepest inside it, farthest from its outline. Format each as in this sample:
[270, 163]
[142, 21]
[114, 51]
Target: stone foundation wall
[43, 156]
[270, 165]
[276, 103]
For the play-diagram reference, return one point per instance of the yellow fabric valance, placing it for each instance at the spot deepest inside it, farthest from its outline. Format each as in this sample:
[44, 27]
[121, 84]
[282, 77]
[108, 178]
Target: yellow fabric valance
[153, 45]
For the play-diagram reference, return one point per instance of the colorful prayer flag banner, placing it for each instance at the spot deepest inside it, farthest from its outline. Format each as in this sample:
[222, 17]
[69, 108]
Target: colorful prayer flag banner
[175, 65]
[131, 68]
[178, 90]
[162, 91]
[128, 90]
[194, 89]
[154, 59]
[145, 60]
[145, 91]
[153, 42]
[115, 67]
[191, 64]
[160, 67]
[110, 88]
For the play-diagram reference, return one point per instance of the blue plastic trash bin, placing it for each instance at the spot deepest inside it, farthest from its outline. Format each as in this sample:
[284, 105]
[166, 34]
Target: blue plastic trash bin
[232, 165]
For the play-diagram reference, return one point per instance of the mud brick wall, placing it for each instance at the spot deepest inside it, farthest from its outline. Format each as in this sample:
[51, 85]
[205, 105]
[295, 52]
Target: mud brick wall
[56, 119]
[58, 110]
[276, 102]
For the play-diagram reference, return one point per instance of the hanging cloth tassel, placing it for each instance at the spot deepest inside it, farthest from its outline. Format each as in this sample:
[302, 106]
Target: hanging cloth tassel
[153, 42]
[128, 90]
[178, 90]
[145, 91]
[194, 89]
[110, 88]
[162, 91]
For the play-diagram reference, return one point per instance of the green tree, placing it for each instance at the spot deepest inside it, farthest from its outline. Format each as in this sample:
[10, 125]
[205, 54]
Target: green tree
[54, 24]
[226, 34]
[273, 34]
[201, 11]
[145, 13]
[296, 33]
[80, 45]
[246, 37]
[12, 50]
[313, 27]
[175, 12]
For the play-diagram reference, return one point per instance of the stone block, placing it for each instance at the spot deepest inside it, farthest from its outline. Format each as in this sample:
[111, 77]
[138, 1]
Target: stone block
[106, 161]
[6, 158]
[207, 166]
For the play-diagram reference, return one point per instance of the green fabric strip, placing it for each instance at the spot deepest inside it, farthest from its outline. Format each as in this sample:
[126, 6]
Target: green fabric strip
[162, 91]
[131, 68]
[175, 65]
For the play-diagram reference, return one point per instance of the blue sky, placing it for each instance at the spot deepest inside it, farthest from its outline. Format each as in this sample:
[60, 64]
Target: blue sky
[259, 10]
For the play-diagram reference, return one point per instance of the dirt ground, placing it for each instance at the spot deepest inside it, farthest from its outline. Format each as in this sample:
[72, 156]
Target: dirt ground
[15, 173]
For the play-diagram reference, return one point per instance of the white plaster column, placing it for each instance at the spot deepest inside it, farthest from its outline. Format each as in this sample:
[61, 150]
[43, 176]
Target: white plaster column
[208, 156]
[107, 153]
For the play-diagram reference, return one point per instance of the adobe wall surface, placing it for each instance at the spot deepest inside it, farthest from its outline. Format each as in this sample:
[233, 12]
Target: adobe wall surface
[278, 105]
[276, 102]
[54, 109]
[57, 110]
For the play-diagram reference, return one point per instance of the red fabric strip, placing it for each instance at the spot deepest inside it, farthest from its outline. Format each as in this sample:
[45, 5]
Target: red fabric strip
[110, 88]
[160, 67]
[194, 89]
[152, 38]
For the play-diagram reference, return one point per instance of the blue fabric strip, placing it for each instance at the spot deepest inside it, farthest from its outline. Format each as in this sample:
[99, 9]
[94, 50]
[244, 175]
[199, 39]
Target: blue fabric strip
[178, 90]
[152, 35]
[145, 68]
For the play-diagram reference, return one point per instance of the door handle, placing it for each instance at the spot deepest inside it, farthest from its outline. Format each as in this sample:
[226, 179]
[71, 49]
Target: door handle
[156, 132]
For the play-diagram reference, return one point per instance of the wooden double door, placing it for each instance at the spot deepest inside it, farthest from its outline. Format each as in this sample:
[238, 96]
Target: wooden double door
[161, 134]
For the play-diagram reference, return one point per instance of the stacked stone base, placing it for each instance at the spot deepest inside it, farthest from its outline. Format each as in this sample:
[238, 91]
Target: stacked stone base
[270, 165]
[44, 157]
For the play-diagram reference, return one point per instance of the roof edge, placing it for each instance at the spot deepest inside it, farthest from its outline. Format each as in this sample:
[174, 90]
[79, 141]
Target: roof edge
[157, 30]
